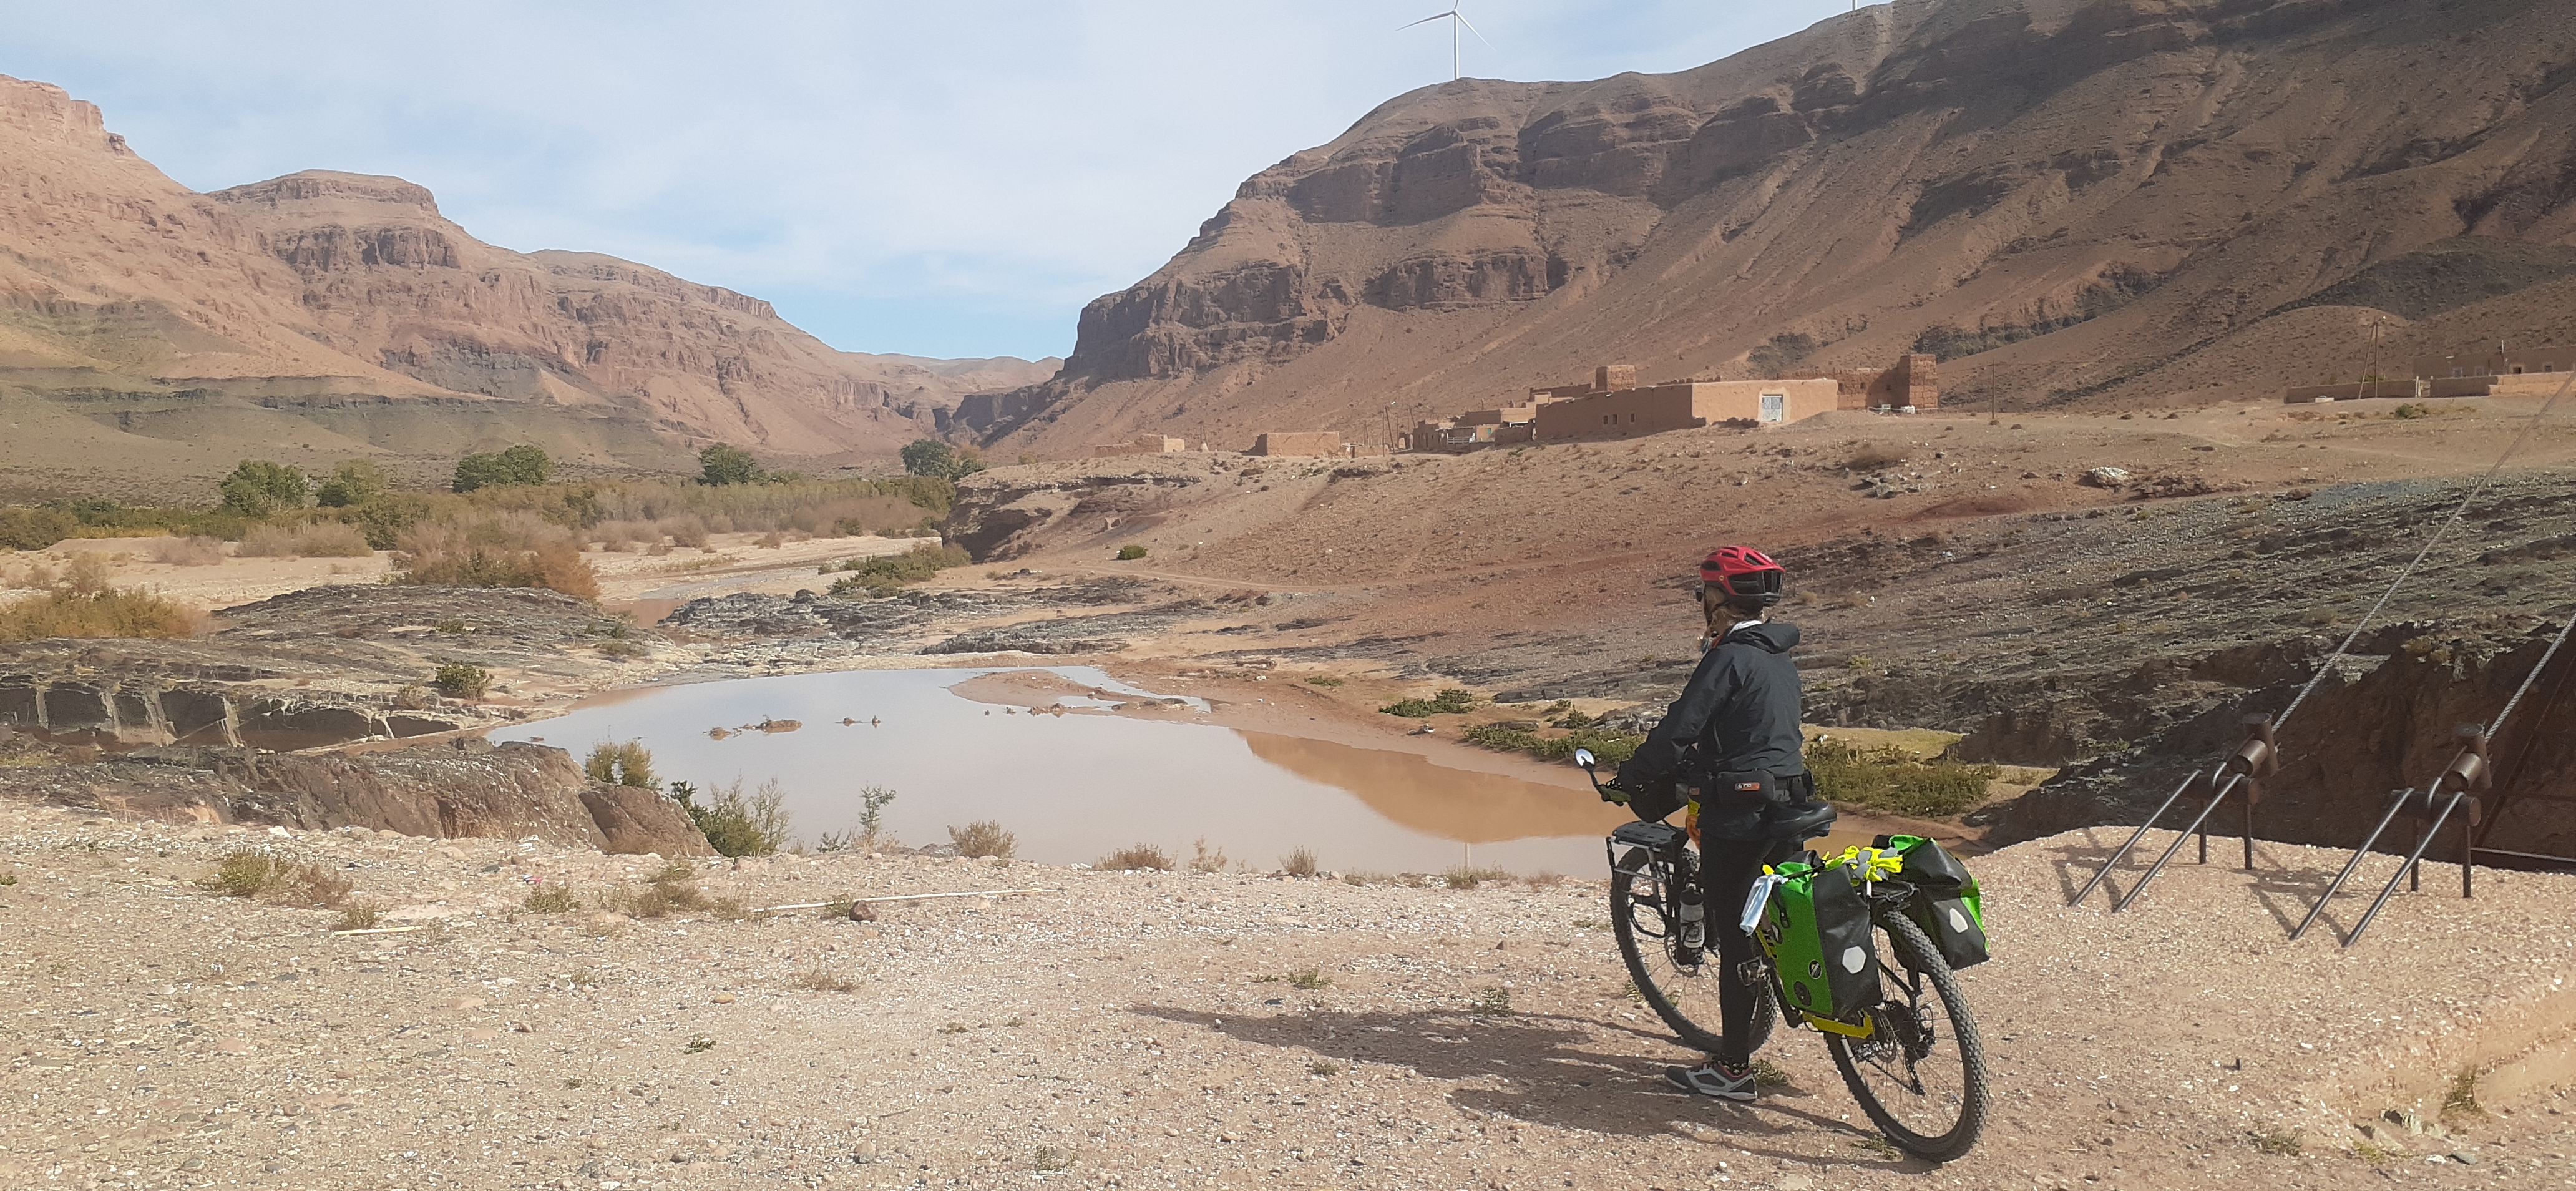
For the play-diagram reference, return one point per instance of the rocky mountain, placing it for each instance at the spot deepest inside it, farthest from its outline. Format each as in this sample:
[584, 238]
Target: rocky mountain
[2071, 201]
[350, 305]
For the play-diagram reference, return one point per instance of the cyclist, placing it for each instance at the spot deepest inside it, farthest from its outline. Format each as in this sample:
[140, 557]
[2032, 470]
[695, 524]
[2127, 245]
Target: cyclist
[1732, 741]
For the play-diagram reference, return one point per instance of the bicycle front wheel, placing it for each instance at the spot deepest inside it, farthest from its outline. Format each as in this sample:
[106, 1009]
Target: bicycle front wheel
[1684, 995]
[1921, 1074]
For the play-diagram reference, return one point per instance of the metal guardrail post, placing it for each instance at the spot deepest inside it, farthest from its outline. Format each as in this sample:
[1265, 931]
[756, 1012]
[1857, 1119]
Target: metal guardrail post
[2120, 853]
[2397, 801]
[2412, 860]
[2470, 774]
[2257, 757]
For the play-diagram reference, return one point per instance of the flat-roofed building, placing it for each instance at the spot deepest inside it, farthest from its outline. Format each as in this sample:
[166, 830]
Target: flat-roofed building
[1684, 405]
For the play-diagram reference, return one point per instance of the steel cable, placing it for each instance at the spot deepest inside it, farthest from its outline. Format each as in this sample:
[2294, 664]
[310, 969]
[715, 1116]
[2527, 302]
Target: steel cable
[2327, 666]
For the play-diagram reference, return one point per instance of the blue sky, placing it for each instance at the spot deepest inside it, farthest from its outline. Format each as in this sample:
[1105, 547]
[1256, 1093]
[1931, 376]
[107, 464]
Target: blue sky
[936, 179]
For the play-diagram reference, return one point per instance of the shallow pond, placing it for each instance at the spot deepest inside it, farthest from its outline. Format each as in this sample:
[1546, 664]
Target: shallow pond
[1075, 787]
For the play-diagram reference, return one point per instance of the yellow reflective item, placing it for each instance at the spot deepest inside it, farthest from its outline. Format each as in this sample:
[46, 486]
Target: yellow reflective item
[1867, 1026]
[1875, 864]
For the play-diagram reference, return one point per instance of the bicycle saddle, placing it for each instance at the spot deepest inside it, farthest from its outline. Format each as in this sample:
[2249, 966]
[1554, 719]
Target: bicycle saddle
[1800, 823]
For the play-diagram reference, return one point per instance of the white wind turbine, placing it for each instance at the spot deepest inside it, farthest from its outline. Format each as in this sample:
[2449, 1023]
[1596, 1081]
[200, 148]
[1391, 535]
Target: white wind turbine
[1456, 21]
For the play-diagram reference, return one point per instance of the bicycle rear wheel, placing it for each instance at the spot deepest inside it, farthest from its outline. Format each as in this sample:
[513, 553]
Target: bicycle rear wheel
[1684, 995]
[1921, 1075]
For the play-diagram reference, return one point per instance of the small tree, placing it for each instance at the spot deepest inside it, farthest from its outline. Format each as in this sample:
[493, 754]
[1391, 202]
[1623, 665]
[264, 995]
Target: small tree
[725, 463]
[930, 457]
[259, 488]
[353, 483]
[627, 763]
[522, 464]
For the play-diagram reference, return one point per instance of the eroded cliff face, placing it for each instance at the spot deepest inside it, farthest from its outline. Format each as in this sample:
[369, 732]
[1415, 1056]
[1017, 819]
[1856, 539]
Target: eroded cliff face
[326, 295]
[2074, 199]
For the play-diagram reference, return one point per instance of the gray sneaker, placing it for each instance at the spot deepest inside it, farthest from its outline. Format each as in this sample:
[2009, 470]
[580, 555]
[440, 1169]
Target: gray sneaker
[1716, 1079]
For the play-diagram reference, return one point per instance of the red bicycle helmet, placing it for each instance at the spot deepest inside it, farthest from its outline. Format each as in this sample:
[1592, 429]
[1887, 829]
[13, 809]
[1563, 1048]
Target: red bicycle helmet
[1744, 575]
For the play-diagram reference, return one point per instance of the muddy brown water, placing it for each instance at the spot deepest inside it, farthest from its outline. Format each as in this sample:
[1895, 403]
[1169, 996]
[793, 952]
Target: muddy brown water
[1076, 787]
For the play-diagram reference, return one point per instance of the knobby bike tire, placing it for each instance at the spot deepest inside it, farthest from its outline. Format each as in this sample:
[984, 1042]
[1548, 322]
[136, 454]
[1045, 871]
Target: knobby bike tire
[1632, 952]
[1916, 953]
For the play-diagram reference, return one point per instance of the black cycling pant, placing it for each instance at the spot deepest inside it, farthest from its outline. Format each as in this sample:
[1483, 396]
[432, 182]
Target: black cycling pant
[1726, 872]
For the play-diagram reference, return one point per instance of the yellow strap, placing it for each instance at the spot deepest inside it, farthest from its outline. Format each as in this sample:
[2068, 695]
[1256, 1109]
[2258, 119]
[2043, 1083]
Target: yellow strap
[1867, 1026]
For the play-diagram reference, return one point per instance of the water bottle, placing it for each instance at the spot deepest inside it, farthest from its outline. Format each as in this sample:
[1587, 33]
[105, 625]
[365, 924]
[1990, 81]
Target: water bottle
[1694, 919]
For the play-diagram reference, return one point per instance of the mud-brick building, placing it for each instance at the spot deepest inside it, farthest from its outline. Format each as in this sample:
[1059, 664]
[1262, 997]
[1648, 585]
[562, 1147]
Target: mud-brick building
[1683, 405]
[2515, 362]
[1913, 382]
[1142, 444]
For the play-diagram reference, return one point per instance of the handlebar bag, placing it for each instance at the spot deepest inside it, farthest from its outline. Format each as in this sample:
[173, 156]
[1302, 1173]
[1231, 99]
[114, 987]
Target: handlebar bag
[1946, 902]
[1816, 930]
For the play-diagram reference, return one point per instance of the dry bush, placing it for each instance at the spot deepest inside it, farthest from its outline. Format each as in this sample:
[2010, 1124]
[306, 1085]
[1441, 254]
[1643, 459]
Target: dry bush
[184, 552]
[551, 899]
[497, 550]
[313, 539]
[113, 612]
[357, 916]
[674, 888]
[982, 838]
[821, 980]
[247, 872]
[1204, 861]
[1136, 856]
[1470, 876]
[1300, 863]
[625, 763]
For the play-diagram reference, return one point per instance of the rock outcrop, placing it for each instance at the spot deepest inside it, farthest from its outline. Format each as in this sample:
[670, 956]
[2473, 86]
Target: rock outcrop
[2354, 740]
[2072, 200]
[460, 788]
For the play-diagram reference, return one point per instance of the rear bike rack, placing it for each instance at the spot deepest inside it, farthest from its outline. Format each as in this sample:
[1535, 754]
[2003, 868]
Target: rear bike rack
[2258, 757]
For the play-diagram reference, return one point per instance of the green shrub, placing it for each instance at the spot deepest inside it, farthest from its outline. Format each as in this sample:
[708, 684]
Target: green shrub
[522, 464]
[887, 574]
[1610, 747]
[1452, 701]
[931, 457]
[1893, 780]
[353, 483]
[737, 824]
[259, 488]
[725, 463]
[462, 680]
[35, 529]
[1130, 552]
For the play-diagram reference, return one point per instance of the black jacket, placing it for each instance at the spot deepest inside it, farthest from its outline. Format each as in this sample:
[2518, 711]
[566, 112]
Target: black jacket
[1738, 714]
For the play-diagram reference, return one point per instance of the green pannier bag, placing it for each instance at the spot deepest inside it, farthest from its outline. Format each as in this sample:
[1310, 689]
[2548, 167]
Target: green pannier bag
[1816, 929]
[1946, 904]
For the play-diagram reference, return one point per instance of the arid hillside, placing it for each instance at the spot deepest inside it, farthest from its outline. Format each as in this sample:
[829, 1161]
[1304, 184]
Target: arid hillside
[2136, 203]
[149, 324]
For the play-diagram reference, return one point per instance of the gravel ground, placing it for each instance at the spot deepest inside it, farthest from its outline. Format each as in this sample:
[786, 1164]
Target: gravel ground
[1153, 1029]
